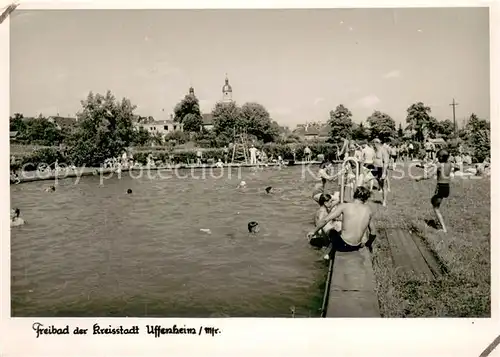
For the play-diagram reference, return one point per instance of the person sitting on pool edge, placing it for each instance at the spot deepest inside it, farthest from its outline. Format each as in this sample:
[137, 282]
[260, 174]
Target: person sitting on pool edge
[324, 174]
[327, 203]
[356, 220]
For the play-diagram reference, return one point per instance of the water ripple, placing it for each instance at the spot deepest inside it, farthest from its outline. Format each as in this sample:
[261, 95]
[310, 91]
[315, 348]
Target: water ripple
[92, 250]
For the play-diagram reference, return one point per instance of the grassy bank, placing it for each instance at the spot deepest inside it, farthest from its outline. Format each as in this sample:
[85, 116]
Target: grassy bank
[464, 251]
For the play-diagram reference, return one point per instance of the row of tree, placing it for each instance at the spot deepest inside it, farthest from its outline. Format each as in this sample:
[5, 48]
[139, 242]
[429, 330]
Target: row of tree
[420, 124]
[105, 127]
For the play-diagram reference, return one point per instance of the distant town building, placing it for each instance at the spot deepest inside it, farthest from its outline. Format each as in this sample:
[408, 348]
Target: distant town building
[208, 121]
[162, 127]
[310, 132]
[63, 122]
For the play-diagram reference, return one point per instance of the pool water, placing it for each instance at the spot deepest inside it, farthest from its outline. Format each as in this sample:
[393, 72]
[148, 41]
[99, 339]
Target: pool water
[93, 250]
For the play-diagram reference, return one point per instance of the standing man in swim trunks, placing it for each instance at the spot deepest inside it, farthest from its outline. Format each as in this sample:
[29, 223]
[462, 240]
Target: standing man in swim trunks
[307, 153]
[381, 163]
[443, 172]
[411, 151]
[199, 156]
[368, 158]
[388, 148]
[253, 155]
[394, 155]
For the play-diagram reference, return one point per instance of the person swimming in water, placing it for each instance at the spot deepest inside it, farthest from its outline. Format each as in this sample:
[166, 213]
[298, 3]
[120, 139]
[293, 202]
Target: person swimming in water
[253, 227]
[129, 191]
[15, 219]
[242, 184]
[268, 189]
[50, 189]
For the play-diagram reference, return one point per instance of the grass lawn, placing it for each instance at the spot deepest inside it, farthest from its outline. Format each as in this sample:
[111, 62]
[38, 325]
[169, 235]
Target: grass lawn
[464, 251]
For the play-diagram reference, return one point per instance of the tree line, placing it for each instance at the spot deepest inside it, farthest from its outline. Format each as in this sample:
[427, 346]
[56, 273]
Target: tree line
[105, 127]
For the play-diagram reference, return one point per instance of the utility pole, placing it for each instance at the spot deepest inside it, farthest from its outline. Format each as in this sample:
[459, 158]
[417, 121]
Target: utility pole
[454, 104]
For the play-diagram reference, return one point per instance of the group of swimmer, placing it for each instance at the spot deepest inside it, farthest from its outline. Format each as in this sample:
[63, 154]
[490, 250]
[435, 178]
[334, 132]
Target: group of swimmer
[348, 225]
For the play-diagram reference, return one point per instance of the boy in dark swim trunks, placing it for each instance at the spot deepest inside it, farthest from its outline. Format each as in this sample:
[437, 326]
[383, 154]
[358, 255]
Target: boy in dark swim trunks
[443, 171]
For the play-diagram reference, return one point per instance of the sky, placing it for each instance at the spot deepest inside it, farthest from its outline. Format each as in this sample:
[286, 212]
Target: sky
[299, 64]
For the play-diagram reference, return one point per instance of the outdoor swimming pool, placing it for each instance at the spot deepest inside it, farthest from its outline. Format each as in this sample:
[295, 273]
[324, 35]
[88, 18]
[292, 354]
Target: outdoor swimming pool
[91, 250]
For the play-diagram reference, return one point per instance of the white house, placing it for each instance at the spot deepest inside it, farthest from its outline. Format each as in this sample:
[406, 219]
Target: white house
[163, 127]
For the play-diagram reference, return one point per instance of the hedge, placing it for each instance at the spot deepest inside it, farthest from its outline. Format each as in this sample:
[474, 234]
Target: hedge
[50, 155]
[47, 156]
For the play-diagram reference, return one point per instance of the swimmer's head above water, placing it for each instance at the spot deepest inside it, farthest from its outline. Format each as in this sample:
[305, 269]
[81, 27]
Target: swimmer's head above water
[242, 184]
[253, 227]
[17, 212]
[129, 191]
[268, 189]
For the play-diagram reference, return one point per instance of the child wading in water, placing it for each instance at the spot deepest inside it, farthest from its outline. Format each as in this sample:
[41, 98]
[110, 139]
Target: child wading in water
[443, 171]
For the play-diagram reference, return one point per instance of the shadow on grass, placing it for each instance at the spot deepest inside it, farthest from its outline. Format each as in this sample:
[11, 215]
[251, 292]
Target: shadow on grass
[432, 223]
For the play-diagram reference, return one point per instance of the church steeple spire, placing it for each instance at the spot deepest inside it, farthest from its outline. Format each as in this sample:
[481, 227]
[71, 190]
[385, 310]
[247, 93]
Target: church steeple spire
[227, 91]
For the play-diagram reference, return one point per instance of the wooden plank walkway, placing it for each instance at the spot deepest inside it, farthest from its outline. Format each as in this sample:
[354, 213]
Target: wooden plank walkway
[352, 286]
[411, 255]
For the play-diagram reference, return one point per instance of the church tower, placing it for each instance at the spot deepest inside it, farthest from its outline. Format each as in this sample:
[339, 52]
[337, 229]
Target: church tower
[191, 90]
[227, 92]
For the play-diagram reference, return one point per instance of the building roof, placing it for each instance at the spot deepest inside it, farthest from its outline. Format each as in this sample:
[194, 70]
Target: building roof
[13, 134]
[312, 130]
[437, 141]
[325, 131]
[208, 119]
[63, 121]
[159, 122]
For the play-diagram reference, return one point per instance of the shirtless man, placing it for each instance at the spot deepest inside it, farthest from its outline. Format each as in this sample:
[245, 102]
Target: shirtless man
[356, 221]
[343, 153]
[380, 163]
[307, 153]
[368, 157]
[387, 182]
[443, 173]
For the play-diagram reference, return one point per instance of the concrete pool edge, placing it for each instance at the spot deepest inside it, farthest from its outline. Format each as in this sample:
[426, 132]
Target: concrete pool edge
[79, 172]
[351, 294]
